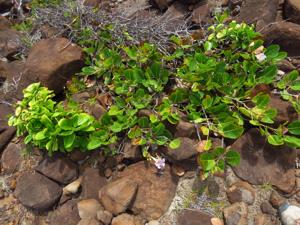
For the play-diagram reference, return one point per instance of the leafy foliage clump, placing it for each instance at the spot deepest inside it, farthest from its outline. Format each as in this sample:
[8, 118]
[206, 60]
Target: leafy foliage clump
[49, 125]
[212, 83]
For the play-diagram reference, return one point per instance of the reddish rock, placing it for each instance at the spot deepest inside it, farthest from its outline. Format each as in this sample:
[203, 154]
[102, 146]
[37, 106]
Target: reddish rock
[201, 14]
[126, 219]
[58, 168]
[37, 192]
[253, 11]
[4, 23]
[186, 150]
[274, 165]
[236, 214]
[116, 197]
[155, 190]
[92, 3]
[92, 182]
[66, 214]
[267, 208]
[10, 43]
[6, 136]
[11, 74]
[5, 111]
[175, 16]
[88, 208]
[276, 200]
[193, 217]
[49, 32]
[262, 219]
[241, 192]
[285, 34]
[11, 158]
[258, 10]
[53, 62]
[132, 152]
[292, 11]
[162, 4]
[104, 216]
[89, 221]
[185, 129]
[285, 111]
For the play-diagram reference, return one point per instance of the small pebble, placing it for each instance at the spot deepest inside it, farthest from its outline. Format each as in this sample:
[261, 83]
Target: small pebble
[121, 167]
[108, 172]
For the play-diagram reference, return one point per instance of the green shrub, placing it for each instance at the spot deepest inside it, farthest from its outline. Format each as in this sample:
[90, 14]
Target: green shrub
[49, 125]
[210, 82]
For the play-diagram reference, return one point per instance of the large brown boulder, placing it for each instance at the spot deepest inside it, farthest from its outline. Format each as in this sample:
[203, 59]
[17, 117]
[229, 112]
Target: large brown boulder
[52, 62]
[155, 190]
[10, 77]
[263, 163]
[201, 14]
[11, 158]
[6, 134]
[66, 214]
[186, 150]
[58, 168]
[10, 42]
[162, 4]
[285, 34]
[37, 192]
[253, 11]
[285, 111]
[292, 11]
[117, 196]
[5, 111]
[92, 182]
[5, 5]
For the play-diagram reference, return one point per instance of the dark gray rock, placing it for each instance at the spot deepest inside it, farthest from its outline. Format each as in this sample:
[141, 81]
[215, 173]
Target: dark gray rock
[67, 214]
[11, 158]
[52, 62]
[292, 11]
[253, 11]
[262, 162]
[37, 192]
[58, 168]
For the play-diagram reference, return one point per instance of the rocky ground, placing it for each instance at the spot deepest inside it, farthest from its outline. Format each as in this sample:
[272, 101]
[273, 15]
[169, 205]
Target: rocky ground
[92, 189]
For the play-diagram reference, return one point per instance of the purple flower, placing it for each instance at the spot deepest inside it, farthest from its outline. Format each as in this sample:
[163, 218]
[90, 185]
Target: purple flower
[160, 163]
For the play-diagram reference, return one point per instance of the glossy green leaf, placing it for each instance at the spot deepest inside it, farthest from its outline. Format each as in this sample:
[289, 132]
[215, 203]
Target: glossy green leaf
[69, 140]
[292, 141]
[275, 140]
[207, 161]
[294, 127]
[232, 158]
[94, 143]
[175, 143]
[231, 130]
